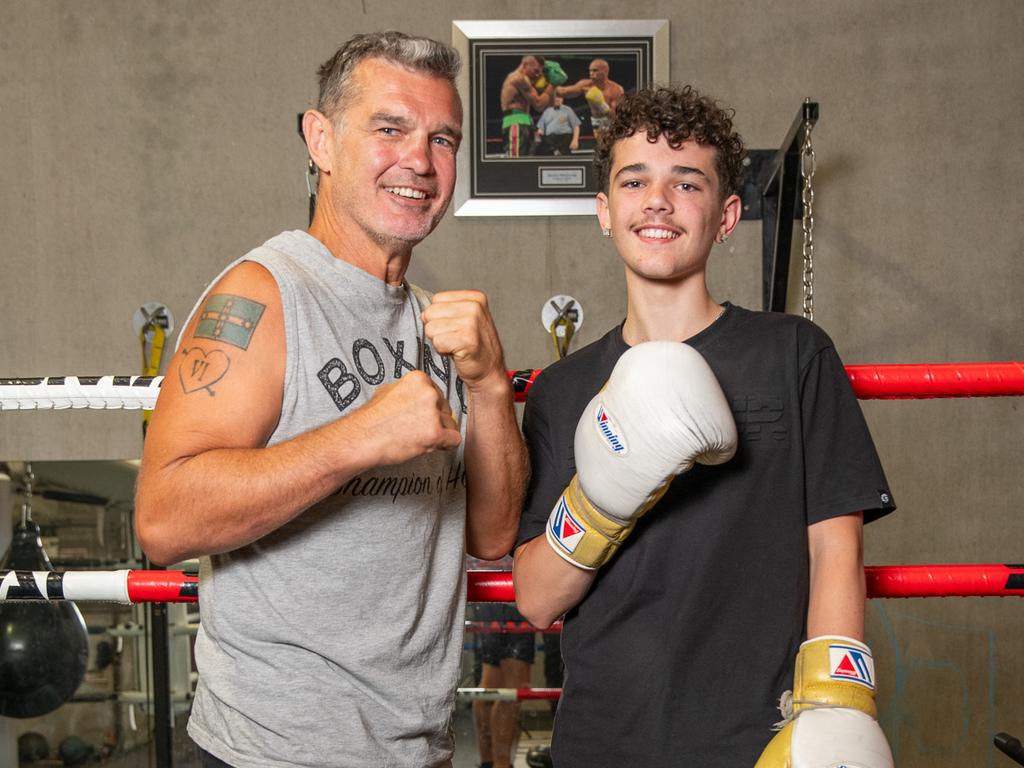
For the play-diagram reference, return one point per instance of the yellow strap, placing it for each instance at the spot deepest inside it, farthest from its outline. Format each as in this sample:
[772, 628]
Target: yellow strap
[151, 364]
[579, 532]
[815, 685]
[562, 344]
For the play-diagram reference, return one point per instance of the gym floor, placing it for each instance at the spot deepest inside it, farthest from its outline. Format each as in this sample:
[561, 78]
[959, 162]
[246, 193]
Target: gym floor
[535, 720]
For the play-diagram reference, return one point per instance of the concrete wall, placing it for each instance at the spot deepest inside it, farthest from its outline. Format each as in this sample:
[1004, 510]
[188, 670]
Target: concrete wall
[144, 144]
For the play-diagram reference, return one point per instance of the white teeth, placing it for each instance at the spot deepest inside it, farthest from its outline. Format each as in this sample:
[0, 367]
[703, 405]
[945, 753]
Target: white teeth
[658, 234]
[415, 194]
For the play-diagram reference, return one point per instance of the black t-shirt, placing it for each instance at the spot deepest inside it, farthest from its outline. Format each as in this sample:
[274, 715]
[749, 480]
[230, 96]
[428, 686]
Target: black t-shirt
[680, 651]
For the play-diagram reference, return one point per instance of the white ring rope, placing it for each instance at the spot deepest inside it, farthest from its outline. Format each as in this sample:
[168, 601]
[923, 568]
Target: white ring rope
[111, 586]
[98, 392]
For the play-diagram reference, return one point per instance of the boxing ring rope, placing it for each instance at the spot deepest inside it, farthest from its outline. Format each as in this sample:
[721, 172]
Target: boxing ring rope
[128, 393]
[881, 382]
[509, 694]
[900, 381]
[897, 382]
[870, 382]
[125, 586]
[507, 627]
[137, 586]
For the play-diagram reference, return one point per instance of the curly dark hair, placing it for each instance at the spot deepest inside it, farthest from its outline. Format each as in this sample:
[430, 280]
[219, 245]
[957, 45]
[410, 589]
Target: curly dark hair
[677, 114]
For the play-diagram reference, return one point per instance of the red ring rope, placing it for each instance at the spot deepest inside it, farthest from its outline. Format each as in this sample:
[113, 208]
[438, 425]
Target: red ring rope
[890, 382]
[486, 586]
[508, 694]
[879, 382]
[945, 580]
[882, 581]
[897, 382]
[507, 627]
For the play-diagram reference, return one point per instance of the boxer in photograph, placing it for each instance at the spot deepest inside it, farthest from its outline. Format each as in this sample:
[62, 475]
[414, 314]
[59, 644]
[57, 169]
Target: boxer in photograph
[519, 95]
[601, 92]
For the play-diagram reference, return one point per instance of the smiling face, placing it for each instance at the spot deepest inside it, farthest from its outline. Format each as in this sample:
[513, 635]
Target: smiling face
[392, 153]
[664, 207]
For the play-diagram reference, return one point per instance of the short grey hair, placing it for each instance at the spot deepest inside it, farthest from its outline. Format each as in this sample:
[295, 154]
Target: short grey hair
[419, 54]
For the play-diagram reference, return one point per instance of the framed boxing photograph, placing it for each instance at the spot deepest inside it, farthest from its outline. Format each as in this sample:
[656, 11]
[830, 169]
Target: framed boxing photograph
[536, 94]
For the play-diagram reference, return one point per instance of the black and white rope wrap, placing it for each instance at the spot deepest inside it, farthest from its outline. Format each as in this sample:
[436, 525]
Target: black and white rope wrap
[107, 586]
[96, 392]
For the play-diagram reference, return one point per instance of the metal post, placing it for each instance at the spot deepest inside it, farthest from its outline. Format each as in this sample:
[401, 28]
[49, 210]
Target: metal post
[163, 713]
[8, 727]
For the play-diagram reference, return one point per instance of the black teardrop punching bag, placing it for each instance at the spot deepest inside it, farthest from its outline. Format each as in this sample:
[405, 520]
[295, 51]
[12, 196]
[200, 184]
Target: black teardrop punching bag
[44, 647]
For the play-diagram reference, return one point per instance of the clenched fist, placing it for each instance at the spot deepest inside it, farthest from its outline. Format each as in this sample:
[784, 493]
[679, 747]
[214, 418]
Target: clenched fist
[408, 418]
[459, 323]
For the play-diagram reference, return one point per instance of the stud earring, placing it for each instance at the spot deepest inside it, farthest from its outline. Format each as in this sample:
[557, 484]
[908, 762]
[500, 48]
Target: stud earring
[606, 231]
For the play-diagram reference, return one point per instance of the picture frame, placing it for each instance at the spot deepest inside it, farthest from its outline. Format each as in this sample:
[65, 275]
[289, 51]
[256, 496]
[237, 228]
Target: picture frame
[496, 177]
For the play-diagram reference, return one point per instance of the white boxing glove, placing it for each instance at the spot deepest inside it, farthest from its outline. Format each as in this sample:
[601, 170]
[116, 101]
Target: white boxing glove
[830, 714]
[661, 410]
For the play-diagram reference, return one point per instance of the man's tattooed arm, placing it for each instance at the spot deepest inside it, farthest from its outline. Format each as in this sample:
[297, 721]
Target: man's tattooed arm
[226, 318]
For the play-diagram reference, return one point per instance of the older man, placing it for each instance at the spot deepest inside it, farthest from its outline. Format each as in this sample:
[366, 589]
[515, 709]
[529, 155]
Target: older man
[330, 441]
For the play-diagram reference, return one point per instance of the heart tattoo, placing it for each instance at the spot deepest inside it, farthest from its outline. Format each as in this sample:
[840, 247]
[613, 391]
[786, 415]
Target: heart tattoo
[201, 370]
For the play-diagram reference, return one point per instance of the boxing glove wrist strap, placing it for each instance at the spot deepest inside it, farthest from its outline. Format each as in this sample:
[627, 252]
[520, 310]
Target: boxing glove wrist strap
[580, 533]
[832, 672]
[830, 715]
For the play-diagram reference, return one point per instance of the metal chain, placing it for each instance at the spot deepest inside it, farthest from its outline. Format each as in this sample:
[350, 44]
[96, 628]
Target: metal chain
[807, 168]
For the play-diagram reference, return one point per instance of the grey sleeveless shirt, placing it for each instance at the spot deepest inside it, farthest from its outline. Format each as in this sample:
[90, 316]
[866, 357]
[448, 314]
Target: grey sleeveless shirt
[336, 639]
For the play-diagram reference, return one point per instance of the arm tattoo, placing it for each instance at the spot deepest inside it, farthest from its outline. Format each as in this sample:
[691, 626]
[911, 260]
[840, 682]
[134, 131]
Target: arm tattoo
[231, 319]
[201, 370]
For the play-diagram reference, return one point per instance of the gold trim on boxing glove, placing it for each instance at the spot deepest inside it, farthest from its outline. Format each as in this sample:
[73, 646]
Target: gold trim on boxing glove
[834, 672]
[579, 532]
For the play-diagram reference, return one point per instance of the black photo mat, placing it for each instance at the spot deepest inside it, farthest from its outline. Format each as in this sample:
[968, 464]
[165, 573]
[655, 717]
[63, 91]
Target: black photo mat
[496, 175]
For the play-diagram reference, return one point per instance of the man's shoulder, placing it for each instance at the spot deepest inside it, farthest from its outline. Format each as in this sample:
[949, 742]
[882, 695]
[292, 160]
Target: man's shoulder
[287, 248]
[290, 242]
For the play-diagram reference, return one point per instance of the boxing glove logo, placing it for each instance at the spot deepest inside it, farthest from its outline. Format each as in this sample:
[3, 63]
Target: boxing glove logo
[851, 664]
[565, 529]
[609, 431]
